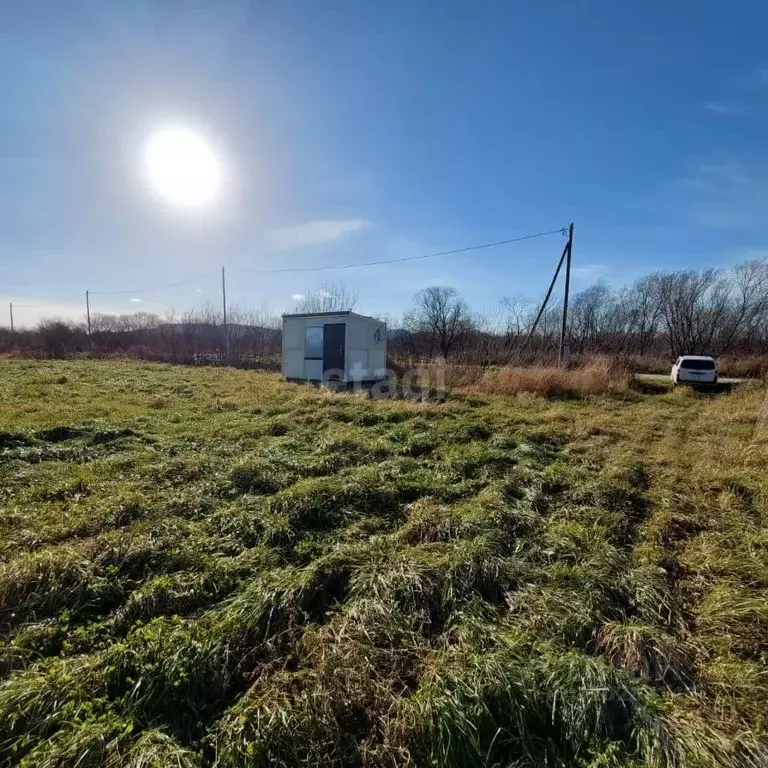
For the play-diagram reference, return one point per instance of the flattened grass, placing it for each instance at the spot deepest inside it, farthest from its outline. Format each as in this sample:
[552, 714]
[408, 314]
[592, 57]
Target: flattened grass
[209, 567]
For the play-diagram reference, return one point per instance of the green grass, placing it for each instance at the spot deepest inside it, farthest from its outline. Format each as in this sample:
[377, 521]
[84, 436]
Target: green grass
[210, 567]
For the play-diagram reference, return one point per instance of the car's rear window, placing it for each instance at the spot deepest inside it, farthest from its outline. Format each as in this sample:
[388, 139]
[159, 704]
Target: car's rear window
[698, 365]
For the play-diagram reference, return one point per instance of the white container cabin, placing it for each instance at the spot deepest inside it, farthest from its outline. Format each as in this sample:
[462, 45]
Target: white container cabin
[334, 346]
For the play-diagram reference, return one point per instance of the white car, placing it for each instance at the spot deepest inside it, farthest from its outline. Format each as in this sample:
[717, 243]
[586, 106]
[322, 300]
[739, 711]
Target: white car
[694, 369]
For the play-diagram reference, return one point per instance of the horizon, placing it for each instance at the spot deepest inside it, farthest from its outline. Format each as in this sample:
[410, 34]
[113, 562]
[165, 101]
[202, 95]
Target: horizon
[357, 134]
[485, 319]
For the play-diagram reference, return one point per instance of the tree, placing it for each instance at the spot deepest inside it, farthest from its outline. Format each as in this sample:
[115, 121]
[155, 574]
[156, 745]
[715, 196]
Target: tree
[520, 313]
[59, 338]
[329, 297]
[693, 304]
[253, 334]
[749, 308]
[641, 313]
[593, 316]
[442, 317]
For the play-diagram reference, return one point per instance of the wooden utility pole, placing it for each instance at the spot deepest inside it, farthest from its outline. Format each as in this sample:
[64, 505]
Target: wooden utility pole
[564, 327]
[10, 307]
[224, 309]
[88, 311]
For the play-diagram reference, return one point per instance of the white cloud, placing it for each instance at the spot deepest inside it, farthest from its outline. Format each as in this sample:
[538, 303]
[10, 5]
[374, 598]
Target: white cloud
[136, 301]
[717, 176]
[298, 297]
[727, 192]
[722, 108]
[314, 232]
[588, 271]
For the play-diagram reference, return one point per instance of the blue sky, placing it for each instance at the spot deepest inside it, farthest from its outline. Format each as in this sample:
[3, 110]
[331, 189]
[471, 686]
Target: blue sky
[354, 131]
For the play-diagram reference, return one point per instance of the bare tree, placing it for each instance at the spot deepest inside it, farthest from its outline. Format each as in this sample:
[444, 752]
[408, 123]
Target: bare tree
[442, 317]
[519, 311]
[169, 332]
[641, 312]
[329, 297]
[749, 306]
[254, 335]
[202, 333]
[693, 304]
[592, 317]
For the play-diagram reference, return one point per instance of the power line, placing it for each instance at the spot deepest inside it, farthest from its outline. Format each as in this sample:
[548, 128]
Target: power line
[49, 303]
[561, 231]
[152, 287]
[466, 249]
[115, 293]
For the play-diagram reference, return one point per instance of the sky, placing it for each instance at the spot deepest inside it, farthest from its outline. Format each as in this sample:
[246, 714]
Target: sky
[356, 131]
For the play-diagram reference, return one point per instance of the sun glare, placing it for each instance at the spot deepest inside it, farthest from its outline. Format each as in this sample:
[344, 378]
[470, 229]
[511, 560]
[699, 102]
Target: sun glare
[182, 168]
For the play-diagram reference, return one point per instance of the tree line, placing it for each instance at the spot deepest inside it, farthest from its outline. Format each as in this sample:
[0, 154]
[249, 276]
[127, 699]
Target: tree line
[252, 337]
[708, 311]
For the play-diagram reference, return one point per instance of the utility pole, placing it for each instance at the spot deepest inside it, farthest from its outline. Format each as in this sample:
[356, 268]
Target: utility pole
[10, 307]
[564, 327]
[88, 311]
[224, 308]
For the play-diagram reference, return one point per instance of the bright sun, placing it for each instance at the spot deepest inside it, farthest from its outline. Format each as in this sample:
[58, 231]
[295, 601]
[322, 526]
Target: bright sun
[182, 168]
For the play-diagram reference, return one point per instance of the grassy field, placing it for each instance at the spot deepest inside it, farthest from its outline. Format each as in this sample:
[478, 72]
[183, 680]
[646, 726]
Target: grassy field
[209, 567]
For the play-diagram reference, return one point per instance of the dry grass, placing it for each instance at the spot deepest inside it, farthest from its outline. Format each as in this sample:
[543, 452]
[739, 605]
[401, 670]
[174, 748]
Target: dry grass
[588, 374]
[593, 376]
[738, 366]
[750, 367]
[596, 378]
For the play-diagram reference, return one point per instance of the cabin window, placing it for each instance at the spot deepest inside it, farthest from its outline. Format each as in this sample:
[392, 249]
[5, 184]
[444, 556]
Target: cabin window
[313, 342]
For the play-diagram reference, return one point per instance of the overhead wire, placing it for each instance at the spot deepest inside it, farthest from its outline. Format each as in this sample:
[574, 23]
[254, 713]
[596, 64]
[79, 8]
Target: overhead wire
[49, 303]
[153, 287]
[451, 252]
[561, 230]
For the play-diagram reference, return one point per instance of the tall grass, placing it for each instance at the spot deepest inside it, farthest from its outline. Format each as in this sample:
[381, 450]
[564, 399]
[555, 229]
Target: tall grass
[590, 376]
[597, 377]
[263, 574]
[586, 376]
